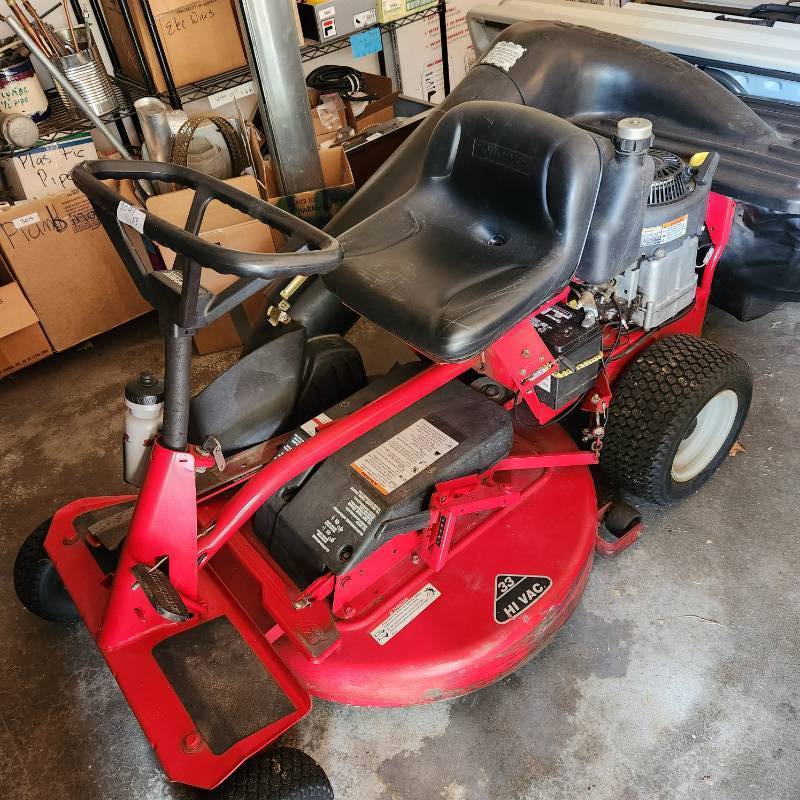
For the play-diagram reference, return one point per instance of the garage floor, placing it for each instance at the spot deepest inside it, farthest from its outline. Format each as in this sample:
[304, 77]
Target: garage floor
[677, 677]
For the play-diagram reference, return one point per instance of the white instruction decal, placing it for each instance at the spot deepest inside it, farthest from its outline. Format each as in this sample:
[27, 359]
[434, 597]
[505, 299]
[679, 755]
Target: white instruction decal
[544, 384]
[131, 215]
[364, 18]
[669, 231]
[406, 612]
[28, 219]
[504, 55]
[327, 13]
[229, 95]
[403, 456]
[357, 513]
[313, 425]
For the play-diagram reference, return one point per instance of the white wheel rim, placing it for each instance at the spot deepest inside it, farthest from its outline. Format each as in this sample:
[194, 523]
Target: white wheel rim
[706, 437]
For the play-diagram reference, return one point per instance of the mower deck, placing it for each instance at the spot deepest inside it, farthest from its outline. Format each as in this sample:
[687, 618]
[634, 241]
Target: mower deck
[394, 631]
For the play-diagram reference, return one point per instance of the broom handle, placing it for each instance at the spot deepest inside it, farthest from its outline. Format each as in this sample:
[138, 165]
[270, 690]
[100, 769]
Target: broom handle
[46, 34]
[27, 27]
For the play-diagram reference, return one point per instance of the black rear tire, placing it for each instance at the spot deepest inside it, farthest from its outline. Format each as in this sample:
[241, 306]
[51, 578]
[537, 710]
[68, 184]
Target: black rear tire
[37, 583]
[282, 773]
[655, 408]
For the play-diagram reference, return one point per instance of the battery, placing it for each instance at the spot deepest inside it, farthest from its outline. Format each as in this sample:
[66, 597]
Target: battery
[577, 350]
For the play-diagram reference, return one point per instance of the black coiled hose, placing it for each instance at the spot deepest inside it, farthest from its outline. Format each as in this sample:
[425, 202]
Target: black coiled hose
[346, 81]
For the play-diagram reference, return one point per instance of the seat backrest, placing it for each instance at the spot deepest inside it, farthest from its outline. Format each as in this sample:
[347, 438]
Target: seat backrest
[516, 164]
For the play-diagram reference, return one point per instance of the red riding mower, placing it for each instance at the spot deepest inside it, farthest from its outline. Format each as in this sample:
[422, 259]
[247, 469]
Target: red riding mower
[431, 532]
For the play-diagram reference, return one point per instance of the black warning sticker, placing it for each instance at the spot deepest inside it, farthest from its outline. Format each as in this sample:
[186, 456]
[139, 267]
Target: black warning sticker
[514, 594]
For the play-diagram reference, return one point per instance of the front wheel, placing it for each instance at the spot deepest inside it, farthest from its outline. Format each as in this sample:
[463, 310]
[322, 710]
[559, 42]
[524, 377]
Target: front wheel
[675, 413]
[37, 583]
[282, 773]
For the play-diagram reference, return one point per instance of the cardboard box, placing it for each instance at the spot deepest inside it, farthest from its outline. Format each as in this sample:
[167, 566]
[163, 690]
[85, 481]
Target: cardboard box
[22, 341]
[376, 111]
[201, 39]
[317, 206]
[328, 117]
[390, 10]
[226, 227]
[329, 19]
[44, 171]
[68, 269]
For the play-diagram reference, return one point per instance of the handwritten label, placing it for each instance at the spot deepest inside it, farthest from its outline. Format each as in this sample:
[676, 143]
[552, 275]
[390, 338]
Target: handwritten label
[229, 95]
[53, 223]
[46, 170]
[130, 215]
[183, 19]
[28, 219]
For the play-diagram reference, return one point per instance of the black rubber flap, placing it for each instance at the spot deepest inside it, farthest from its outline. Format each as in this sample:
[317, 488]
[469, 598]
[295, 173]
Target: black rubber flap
[221, 682]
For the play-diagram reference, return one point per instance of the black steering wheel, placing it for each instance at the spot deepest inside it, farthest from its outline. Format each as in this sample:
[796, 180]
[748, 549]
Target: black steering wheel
[177, 293]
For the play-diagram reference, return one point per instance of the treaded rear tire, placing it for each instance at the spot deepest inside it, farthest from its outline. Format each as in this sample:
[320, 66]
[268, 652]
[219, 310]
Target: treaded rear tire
[656, 401]
[281, 773]
[37, 583]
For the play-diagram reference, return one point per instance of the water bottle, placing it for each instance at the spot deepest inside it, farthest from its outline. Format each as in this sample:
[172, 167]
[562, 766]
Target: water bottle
[144, 415]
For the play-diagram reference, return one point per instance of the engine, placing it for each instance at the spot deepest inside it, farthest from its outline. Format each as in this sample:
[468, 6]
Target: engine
[662, 281]
[639, 267]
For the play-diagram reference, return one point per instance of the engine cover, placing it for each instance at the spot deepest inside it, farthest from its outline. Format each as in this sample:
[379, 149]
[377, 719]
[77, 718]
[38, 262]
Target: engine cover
[378, 486]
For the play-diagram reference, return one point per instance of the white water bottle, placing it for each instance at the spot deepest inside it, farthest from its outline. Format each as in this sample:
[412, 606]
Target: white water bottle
[144, 415]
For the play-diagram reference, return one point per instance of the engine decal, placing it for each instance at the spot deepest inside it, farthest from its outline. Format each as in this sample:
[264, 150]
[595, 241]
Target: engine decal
[405, 613]
[514, 594]
[403, 456]
[668, 232]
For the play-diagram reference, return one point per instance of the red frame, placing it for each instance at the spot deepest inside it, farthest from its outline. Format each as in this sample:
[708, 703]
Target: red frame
[169, 520]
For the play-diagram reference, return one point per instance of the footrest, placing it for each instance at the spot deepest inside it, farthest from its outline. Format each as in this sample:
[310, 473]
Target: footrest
[160, 593]
[222, 683]
[209, 693]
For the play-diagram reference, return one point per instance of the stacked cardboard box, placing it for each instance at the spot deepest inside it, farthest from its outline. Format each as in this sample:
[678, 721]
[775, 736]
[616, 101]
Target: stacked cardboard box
[67, 269]
[22, 340]
[201, 38]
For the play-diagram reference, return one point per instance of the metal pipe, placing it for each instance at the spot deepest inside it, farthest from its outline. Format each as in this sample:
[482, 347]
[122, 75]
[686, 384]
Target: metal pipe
[161, 56]
[62, 81]
[273, 51]
[144, 67]
[443, 46]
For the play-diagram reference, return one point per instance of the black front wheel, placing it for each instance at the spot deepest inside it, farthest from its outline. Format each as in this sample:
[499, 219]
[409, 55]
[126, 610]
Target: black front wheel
[37, 582]
[675, 413]
[282, 773]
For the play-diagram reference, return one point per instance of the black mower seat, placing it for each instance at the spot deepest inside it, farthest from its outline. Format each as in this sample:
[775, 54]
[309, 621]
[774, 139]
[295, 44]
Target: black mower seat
[494, 227]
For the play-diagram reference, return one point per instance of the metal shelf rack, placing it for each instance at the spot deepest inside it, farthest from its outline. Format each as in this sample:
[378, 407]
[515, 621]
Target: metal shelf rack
[62, 123]
[198, 90]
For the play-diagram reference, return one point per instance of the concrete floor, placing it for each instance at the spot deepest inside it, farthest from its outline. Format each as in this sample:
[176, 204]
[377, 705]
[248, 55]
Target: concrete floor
[677, 677]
